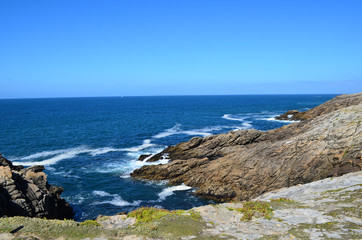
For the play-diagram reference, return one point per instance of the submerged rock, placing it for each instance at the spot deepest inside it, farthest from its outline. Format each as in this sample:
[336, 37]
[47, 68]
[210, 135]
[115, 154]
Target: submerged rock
[143, 156]
[26, 192]
[244, 164]
[290, 115]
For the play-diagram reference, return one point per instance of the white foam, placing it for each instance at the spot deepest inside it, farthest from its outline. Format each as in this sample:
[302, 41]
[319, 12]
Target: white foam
[116, 201]
[76, 199]
[197, 133]
[135, 164]
[68, 174]
[102, 193]
[233, 118]
[246, 125]
[119, 202]
[70, 153]
[62, 154]
[276, 120]
[204, 132]
[43, 154]
[170, 190]
[176, 130]
[99, 151]
[168, 132]
[146, 144]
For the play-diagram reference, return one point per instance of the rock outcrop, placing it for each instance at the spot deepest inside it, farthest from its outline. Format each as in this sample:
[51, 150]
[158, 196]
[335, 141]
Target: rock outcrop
[334, 104]
[244, 164]
[26, 192]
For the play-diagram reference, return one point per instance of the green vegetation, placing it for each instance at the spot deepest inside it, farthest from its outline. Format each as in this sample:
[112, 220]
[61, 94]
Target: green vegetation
[282, 199]
[255, 209]
[51, 229]
[301, 233]
[175, 225]
[164, 224]
[148, 214]
[89, 223]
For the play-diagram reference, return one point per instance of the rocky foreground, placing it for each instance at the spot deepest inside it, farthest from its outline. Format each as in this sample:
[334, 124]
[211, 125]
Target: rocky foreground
[244, 164]
[26, 192]
[325, 209]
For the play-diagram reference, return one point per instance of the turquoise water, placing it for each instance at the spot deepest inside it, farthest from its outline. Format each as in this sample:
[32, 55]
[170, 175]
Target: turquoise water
[90, 145]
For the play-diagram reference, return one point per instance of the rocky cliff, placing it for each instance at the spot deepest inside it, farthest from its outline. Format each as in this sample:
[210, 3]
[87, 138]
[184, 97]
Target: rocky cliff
[26, 192]
[243, 164]
[336, 103]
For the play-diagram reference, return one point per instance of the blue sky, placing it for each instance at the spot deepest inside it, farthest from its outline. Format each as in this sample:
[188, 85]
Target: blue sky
[187, 47]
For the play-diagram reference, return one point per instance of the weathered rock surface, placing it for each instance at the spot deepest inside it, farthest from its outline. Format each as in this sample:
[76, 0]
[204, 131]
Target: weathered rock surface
[244, 164]
[26, 192]
[336, 103]
[325, 209]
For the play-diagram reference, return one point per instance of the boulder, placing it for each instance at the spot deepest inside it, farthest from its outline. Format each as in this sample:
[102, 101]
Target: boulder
[26, 192]
[143, 156]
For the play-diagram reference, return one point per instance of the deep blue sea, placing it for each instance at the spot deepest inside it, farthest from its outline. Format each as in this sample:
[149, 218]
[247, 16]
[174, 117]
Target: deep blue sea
[90, 145]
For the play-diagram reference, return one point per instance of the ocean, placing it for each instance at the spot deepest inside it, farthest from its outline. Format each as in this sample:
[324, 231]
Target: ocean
[89, 146]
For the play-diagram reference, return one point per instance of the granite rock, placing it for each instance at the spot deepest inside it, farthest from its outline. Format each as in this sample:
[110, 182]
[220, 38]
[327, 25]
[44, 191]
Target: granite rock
[26, 192]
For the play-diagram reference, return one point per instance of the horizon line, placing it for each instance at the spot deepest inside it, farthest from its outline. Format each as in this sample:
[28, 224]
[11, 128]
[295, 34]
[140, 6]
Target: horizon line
[176, 95]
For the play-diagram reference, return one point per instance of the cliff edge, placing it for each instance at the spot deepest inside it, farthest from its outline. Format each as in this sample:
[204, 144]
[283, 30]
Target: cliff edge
[244, 164]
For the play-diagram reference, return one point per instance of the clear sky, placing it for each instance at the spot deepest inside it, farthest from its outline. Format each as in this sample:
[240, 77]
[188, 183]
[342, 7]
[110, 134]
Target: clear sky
[76, 48]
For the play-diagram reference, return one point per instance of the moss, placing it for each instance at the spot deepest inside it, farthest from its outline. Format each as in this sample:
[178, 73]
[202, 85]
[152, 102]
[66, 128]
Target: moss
[341, 189]
[346, 211]
[148, 214]
[50, 229]
[348, 233]
[90, 223]
[164, 224]
[255, 209]
[282, 199]
[270, 237]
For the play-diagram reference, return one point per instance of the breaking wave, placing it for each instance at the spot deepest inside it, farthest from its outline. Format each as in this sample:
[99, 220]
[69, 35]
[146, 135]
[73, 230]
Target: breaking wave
[116, 200]
[170, 191]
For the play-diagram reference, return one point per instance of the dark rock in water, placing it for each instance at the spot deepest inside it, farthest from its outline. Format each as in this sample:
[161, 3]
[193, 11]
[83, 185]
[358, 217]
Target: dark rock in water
[288, 115]
[26, 192]
[244, 164]
[143, 157]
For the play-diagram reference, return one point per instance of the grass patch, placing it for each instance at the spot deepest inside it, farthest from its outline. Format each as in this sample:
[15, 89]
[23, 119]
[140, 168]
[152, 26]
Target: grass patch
[346, 211]
[90, 223]
[149, 214]
[165, 224]
[51, 229]
[347, 233]
[282, 200]
[254, 209]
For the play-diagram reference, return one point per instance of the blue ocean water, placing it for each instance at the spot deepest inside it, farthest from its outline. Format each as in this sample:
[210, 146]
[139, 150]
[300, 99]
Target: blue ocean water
[90, 145]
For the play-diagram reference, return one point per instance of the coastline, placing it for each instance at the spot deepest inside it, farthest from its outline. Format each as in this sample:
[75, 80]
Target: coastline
[336, 126]
[243, 164]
